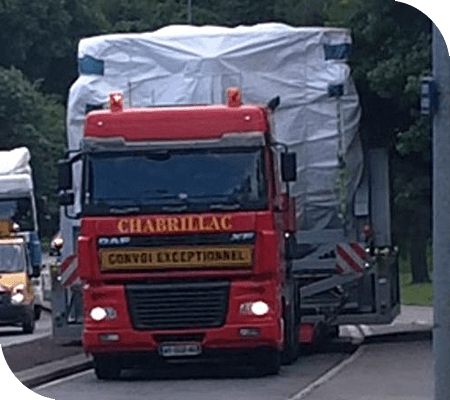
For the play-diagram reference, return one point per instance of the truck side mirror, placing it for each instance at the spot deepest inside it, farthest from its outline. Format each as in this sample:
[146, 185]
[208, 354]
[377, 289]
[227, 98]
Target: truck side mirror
[288, 167]
[35, 271]
[66, 198]
[65, 175]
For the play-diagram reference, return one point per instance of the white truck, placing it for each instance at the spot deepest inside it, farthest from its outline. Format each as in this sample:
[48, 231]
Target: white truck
[344, 262]
[18, 205]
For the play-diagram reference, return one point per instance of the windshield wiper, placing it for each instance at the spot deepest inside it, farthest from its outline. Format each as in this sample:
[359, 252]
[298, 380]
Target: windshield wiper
[219, 201]
[175, 208]
[124, 210]
[224, 206]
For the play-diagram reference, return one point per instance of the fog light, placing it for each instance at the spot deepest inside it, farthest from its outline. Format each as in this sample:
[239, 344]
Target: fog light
[249, 332]
[98, 313]
[109, 337]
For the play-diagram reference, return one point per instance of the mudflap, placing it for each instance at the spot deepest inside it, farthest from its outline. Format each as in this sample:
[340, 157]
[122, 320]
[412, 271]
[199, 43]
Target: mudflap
[67, 308]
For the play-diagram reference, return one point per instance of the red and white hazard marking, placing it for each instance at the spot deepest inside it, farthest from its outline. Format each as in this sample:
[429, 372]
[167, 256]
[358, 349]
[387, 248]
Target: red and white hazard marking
[69, 271]
[351, 258]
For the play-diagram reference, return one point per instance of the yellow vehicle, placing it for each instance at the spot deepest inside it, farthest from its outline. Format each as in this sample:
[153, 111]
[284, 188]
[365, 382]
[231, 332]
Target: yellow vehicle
[17, 297]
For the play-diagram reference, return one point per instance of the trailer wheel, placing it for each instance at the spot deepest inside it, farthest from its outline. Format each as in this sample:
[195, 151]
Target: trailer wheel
[106, 368]
[28, 323]
[268, 363]
[332, 332]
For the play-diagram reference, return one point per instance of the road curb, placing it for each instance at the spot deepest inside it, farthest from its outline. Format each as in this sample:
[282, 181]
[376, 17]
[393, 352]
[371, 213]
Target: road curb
[404, 336]
[54, 370]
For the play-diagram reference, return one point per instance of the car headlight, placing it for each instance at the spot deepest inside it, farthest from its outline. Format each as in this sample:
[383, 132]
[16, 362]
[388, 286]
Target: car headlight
[17, 298]
[258, 308]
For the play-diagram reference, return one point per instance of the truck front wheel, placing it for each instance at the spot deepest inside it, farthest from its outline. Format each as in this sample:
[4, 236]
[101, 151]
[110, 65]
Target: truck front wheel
[268, 363]
[106, 368]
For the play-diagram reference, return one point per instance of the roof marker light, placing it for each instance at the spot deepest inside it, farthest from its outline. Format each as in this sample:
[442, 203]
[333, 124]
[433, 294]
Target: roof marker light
[116, 101]
[234, 98]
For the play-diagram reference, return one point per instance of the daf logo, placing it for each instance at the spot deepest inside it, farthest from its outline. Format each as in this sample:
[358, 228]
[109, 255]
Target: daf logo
[240, 237]
[114, 241]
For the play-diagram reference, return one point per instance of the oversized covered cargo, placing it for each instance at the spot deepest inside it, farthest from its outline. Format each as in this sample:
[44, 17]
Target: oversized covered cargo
[319, 111]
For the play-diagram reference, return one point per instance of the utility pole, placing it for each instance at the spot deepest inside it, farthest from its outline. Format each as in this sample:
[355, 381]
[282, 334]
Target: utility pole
[189, 12]
[441, 218]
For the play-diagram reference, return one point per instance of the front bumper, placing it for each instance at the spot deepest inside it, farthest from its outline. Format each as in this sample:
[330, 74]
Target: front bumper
[212, 341]
[120, 335]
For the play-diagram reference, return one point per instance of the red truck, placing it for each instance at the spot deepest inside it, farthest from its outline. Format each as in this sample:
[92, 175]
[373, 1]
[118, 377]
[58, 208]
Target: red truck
[193, 231]
[185, 234]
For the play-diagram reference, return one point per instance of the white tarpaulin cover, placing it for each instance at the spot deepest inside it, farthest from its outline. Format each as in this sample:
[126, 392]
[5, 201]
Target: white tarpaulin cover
[184, 64]
[15, 171]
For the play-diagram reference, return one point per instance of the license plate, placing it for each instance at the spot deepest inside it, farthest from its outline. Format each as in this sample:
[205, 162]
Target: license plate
[180, 349]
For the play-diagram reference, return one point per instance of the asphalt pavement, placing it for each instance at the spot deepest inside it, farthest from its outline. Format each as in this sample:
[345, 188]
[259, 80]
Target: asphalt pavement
[393, 362]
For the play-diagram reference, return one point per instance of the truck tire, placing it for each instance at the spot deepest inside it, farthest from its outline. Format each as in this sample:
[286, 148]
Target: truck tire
[332, 332]
[106, 368]
[291, 344]
[28, 323]
[268, 363]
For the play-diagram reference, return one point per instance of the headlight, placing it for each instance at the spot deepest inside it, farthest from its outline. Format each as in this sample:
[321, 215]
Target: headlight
[17, 298]
[100, 313]
[57, 242]
[258, 308]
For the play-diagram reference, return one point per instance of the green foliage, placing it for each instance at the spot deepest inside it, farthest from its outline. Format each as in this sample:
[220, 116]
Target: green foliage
[32, 119]
[415, 294]
[300, 12]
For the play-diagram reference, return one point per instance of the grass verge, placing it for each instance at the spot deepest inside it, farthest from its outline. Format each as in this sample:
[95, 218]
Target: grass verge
[418, 294]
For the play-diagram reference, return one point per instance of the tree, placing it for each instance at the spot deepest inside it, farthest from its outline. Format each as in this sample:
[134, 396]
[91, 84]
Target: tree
[32, 119]
[392, 51]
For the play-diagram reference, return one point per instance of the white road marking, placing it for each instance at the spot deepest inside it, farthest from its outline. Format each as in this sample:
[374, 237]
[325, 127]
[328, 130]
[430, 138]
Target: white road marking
[63, 380]
[328, 375]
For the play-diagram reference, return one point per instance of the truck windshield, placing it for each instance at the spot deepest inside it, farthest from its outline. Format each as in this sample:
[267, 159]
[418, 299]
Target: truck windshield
[12, 258]
[176, 181]
[18, 210]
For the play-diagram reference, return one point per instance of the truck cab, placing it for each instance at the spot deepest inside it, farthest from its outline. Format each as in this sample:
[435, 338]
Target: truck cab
[18, 303]
[184, 222]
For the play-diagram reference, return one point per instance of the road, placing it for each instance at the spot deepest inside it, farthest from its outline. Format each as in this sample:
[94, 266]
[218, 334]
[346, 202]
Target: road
[382, 371]
[10, 335]
[197, 383]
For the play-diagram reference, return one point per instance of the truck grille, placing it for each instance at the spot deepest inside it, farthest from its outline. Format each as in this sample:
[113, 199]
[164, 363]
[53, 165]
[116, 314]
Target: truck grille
[178, 305]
